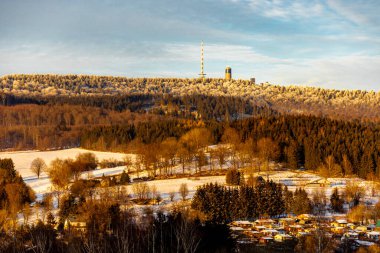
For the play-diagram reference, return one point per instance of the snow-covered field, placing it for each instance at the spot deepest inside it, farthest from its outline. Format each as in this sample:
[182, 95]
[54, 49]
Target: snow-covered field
[23, 159]
[164, 187]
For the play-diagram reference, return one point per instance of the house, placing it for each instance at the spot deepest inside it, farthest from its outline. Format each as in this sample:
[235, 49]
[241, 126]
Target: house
[269, 232]
[364, 243]
[305, 218]
[373, 235]
[339, 223]
[236, 228]
[237, 231]
[351, 225]
[338, 230]
[253, 234]
[301, 234]
[361, 229]
[319, 182]
[259, 228]
[351, 236]
[371, 227]
[264, 222]
[294, 229]
[286, 221]
[265, 240]
[242, 224]
[75, 225]
[282, 237]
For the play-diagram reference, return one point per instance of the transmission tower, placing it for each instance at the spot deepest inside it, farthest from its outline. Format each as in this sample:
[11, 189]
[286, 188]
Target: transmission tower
[202, 74]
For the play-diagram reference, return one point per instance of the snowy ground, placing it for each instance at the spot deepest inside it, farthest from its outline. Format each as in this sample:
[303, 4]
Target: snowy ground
[292, 179]
[166, 186]
[23, 159]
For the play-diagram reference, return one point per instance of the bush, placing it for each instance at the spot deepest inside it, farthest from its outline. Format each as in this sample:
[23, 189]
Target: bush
[234, 177]
[124, 178]
[110, 163]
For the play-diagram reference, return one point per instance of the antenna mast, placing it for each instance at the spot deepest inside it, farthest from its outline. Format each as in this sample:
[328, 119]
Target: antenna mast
[202, 74]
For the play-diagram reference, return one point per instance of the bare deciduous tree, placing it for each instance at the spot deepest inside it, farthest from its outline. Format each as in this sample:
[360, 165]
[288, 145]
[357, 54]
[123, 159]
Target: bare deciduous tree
[329, 168]
[353, 193]
[184, 191]
[171, 195]
[185, 233]
[268, 150]
[141, 191]
[221, 154]
[60, 174]
[37, 166]
[47, 205]
[346, 166]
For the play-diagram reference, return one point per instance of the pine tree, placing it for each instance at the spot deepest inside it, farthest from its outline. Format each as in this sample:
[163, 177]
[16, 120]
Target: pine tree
[302, 203]
[288, 200]
[336, 201]
[294, 155]
[234, 177]
[367, 164]
[124, 178]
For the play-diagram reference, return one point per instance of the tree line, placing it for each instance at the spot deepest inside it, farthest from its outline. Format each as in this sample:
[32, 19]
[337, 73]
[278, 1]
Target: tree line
[337, 104]
[261, 198]
[332, 147]
[207, 106]
[52, 122]
[308, 141]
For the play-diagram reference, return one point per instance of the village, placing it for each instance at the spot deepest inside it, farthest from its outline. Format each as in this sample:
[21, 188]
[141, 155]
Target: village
[289, 229]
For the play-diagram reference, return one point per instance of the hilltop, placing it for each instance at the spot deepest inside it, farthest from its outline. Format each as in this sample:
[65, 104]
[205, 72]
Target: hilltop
[337, 104]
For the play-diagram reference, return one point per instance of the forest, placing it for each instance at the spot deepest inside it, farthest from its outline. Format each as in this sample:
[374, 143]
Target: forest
[335, 104]
[59, 122]
[119, 122]
[302, 141]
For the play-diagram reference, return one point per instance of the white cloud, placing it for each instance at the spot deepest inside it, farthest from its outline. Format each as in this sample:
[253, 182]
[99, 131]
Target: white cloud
[287, 9]
[355, 12]
[345, 72]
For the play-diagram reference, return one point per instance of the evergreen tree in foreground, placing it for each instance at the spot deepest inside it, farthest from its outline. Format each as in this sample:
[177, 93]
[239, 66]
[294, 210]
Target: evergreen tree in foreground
[336, 201]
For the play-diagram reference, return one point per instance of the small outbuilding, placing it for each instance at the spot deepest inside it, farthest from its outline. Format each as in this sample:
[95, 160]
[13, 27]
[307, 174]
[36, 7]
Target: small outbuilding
[282, 237]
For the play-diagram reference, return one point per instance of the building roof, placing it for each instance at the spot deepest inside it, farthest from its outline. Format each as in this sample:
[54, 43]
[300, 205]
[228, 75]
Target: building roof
[264, 220]
[243, 222]
[270, 231]
[283, 235]
[236, 228]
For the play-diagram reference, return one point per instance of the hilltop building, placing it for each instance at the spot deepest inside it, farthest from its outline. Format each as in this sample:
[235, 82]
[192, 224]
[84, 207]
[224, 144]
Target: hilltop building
[228, 75]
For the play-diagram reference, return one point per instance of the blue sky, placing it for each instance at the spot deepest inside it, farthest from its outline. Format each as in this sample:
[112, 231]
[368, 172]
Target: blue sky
[331, 43]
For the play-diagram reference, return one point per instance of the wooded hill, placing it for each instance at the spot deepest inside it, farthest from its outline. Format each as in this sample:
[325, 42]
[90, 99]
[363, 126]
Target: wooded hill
[337, 104]
[115, 113]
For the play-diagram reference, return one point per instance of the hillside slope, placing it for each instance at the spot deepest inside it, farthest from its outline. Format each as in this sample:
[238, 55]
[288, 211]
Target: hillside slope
[341, 104]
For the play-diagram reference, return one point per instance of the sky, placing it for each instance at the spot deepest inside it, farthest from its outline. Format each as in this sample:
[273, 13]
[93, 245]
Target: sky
[324, 43]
